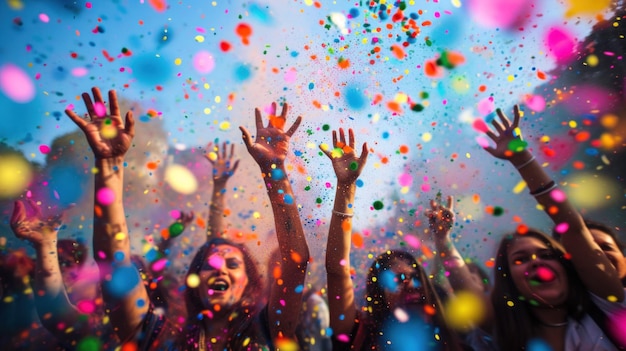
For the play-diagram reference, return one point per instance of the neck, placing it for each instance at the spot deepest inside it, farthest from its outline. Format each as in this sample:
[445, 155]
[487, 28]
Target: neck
[551, 317]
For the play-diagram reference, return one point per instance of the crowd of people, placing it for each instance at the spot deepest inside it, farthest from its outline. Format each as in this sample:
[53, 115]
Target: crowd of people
[548, 291]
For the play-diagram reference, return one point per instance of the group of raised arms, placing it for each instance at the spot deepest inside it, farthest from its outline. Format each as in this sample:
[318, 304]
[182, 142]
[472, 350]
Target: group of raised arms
[558, 291]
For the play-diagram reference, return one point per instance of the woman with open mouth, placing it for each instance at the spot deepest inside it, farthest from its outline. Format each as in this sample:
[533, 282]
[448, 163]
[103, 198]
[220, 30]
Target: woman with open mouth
[565, 296]
[223, 295]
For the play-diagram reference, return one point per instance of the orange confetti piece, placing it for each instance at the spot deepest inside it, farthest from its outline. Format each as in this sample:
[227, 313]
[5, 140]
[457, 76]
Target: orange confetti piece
[244, 31]
[296, 257]
[343, 63]
[165, 233]
[398, 51]
[432, 70]
[346, 225]
[489, 264]
[427, 251]
[522, 229]
[276, 272]
[277, 121]
[152, 166]
[403, 149]
[541, 75]
[158, 5]
[357, 240]
[394, 107]
[582, 136]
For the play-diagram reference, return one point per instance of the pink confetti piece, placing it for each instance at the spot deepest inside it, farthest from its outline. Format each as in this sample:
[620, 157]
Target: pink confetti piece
[561, 227]
[100, 109]
[44, 149]
[560, 44]
[558, 195]
[44, 18]
[16, 84]
[480, 125]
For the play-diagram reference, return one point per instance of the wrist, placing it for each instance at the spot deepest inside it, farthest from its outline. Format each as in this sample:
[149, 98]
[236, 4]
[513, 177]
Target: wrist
[521, 159]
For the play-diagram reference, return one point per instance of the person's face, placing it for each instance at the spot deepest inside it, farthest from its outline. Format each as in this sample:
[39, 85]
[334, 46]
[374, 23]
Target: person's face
[402, 286]
[223, 277]
[537, 272]
[612, 252]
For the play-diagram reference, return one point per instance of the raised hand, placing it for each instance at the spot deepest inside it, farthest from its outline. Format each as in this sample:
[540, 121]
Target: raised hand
[440, 217]
[28, 223]
[223, 166]
[108, 135]
[507, 136]
[272, 142]
[346, 163]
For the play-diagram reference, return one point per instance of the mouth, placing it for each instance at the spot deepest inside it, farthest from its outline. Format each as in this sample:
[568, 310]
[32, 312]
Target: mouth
[543, 275]
[218, 285]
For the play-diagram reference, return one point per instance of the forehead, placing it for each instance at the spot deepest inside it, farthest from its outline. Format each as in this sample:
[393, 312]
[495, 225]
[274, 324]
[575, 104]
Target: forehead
[226, 251]
[601, 236]
[526, 243]
[401, 266]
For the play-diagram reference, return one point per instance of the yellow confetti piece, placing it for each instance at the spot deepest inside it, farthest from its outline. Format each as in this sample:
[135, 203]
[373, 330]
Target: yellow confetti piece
[120, 236]
[510, 78]
[519, 187]
[178, 61]
[224, 126]
[592, 60]
[256, 215]
[199, 38]
[206, 86]
[612, 298]
[207, 111]
[426, 137]
[218, 99]
[193, 280]
[212, 156]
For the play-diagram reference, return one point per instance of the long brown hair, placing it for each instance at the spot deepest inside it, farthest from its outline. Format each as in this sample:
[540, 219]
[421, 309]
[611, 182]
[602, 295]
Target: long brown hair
[242, 312]
[514, 320]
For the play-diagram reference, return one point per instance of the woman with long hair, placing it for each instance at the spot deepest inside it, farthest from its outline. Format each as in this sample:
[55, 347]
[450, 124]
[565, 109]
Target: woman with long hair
[562, 296]
[222, 313]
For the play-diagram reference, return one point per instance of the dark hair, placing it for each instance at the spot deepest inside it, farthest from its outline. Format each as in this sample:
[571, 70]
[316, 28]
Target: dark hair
[246, 308]
[512, 313]
[605, 229]
[378, 308]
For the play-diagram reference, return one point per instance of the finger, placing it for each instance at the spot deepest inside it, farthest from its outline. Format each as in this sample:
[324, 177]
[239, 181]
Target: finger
[433, 204]
[285, 110]
[491, 150]
[497, 126]
[19, 213]
[326, 150]
[89, 105]
[273, 113]
[334, 138]
[294, 126]
[129, 126]
[342, 136]
[224, 148]
[351, 138]
[36, 210]
[232, 151]
[235, 167]
[98, 103]
[258, 119]
[81, 123]
[113, 105]
[450, 203]
[503, 118]
[491, 135]
[364, 153]
[245, 136]
[516, 116]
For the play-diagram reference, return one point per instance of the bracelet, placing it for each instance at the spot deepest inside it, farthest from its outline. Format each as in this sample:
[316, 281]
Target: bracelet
[526, 163]
[548, 187]
[343, 214]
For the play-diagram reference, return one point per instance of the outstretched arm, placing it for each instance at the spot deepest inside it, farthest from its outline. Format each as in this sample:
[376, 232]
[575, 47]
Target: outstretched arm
[110, 138]
[176, 229]
[53, 305]
[269, 150]
[347, 166]
[223, 169]
[592, 265]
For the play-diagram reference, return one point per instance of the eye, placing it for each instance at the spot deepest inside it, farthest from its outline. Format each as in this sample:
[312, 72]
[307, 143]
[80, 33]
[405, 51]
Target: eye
[233, 264]
[521, 260]
[548, 255]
